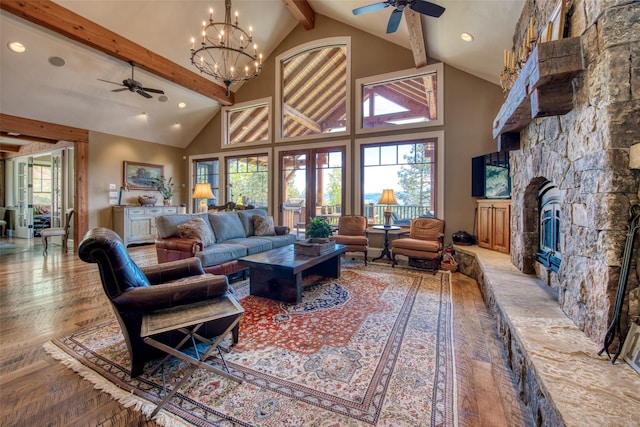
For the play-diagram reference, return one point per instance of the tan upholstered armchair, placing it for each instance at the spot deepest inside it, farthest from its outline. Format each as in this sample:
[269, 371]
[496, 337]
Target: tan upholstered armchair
[425, 242]
[352, 232]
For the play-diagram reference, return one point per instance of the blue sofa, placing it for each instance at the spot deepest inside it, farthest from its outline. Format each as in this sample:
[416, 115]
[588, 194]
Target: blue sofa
[233, 238]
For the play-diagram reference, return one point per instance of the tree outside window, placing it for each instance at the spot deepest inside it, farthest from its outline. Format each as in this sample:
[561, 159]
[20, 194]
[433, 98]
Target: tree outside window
[409, 168]
[248, 180]
[416, 177]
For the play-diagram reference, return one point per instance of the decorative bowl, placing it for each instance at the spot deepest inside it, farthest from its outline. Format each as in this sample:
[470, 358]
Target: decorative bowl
[463, 238]
[147, 200]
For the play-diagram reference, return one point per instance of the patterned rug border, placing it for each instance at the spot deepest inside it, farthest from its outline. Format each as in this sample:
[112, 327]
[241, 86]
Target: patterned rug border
[134, 396]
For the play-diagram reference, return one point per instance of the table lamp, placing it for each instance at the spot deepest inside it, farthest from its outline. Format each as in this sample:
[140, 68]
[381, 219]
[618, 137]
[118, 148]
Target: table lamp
[203, 192]
[387, 198]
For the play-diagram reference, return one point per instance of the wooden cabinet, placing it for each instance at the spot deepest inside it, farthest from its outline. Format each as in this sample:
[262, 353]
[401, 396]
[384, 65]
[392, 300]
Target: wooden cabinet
[137, 224]
[494, 229]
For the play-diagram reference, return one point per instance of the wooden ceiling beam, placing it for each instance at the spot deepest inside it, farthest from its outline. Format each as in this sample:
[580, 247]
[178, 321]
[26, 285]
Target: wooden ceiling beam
[8, 148]
[300, 118]
[302, 11]
[28, 138]
[416, 37]
[50, 132]
[50, 15]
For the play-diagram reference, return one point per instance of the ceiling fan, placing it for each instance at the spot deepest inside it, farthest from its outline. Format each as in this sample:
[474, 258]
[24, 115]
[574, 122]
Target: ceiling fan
[133, 86]
[420, 6]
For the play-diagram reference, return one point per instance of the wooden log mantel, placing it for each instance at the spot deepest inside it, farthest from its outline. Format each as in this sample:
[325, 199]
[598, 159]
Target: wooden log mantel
[543, 87]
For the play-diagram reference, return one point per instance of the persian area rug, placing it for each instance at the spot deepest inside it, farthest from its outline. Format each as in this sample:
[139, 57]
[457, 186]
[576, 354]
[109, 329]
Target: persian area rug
[372, 348]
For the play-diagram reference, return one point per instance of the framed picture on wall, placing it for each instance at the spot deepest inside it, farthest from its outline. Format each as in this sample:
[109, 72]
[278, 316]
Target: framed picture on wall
[142, 176]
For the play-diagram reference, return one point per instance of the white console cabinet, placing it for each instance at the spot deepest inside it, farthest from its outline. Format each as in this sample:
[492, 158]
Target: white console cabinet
[136, 224]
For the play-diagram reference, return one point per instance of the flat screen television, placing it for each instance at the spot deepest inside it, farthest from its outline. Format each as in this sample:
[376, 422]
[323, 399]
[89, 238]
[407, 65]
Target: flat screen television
[490, 176]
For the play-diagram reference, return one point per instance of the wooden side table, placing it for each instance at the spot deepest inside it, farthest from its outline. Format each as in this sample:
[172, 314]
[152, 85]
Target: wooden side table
[188, 319]
[386, 229]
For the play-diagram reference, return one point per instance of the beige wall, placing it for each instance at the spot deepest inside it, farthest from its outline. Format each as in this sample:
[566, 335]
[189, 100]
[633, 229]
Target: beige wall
[106, 156]
[369, 56]
[470, 104]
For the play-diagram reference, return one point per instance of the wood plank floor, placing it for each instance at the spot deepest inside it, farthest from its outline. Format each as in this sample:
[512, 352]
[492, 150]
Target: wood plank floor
[46, 297]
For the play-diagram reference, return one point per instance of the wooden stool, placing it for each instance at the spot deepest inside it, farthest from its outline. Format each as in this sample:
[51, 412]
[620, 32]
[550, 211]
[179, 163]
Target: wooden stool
[51, 232]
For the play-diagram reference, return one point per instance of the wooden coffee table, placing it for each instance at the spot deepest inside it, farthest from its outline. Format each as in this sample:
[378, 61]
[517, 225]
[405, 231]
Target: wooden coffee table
[278, 274]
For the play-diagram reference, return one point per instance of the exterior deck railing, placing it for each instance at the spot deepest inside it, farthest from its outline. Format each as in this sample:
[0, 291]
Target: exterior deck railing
[375, 214]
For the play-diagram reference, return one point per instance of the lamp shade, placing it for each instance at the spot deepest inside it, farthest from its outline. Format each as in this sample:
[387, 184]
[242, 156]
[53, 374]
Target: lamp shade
[203, 191]
[387, 198]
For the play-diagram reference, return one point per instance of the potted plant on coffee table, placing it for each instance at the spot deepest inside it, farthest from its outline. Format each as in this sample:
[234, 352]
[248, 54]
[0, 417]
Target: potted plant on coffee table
[318, 242]
[317, 229]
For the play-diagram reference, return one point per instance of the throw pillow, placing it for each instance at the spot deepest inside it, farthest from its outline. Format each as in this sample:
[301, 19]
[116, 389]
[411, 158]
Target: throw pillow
[196, 229]
[263, 226]
[226, 226]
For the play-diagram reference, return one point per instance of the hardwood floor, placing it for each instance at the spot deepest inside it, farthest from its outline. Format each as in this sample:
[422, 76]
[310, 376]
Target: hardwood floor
[46, 297]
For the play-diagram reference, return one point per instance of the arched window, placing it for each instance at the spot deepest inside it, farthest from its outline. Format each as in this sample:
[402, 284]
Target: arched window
[312, 90]
[549, 243]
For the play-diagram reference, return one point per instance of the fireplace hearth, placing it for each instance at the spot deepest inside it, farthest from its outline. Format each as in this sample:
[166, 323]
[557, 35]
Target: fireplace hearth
[574, 178]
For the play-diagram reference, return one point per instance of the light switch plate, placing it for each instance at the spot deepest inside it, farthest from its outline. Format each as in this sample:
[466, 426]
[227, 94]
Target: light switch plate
[113, 194]
[113, 201]
[112, 187]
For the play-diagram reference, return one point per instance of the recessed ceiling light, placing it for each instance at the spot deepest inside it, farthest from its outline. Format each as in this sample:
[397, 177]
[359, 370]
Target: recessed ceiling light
[56, 61]
[181, 105]
[163, 98]
[466, 37]
[16, 47]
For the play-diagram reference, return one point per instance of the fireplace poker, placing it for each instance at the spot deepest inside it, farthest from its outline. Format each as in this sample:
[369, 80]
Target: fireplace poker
[614, 327]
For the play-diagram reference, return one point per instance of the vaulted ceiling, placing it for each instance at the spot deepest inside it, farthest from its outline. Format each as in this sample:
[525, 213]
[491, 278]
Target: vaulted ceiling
[99, 38]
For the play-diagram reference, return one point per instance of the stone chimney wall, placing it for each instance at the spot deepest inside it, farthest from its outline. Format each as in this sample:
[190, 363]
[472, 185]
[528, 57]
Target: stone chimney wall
[592, 154]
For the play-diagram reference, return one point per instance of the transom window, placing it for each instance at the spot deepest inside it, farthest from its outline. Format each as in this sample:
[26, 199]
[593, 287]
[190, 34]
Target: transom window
[247, 123]
[313, 89]
[402, 99]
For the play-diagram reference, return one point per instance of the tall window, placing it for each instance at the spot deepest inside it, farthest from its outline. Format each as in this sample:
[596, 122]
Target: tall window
[313, 89]
[207, 171]
[41, 184]
[409, 168]
[404, 99]
[248, 180]
[247, 123]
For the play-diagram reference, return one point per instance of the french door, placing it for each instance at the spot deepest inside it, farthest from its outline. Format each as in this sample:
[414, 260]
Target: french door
[312, 185]
[57, 187]
[62, 190]
[24, 197]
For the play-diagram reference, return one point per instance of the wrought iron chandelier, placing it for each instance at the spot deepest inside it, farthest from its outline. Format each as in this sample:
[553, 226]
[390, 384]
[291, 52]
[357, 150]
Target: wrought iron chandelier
[224, 50]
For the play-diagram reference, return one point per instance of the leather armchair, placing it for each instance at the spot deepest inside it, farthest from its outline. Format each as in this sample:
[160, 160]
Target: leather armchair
[425, 242]
[134, 291]
[352, 232]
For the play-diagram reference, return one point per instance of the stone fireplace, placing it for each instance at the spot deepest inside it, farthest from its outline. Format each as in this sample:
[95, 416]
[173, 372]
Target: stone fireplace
[591, 156]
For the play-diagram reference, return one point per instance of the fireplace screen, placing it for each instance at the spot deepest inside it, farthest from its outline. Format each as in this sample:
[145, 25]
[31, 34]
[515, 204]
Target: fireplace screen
[549, 227]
